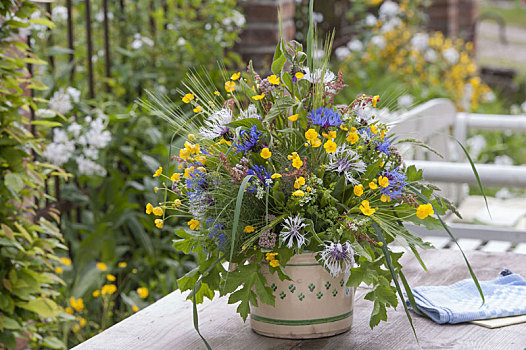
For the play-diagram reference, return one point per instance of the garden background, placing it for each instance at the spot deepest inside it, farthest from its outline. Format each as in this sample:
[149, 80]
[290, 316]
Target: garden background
[78, 251]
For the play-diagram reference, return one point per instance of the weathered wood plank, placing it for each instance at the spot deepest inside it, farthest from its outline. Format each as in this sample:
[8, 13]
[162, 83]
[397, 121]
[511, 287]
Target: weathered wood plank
[167, 324]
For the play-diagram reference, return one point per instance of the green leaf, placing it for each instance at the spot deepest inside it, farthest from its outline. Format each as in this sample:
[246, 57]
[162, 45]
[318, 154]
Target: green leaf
[46, 123]
[279, 107]
[247, 123]
[278, 64]
[413, 174]
[43, 21]
[9, 323]
[14, 181]
[43, 306]
[53, 343]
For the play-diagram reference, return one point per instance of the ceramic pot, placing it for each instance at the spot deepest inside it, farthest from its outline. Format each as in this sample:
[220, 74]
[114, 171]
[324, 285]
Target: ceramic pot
[313, 305]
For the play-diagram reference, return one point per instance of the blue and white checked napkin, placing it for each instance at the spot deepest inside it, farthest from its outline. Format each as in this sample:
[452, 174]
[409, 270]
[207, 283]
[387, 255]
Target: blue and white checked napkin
[461, 302]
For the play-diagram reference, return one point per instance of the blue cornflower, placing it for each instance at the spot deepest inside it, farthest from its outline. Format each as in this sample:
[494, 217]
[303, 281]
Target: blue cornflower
[247, 139]
[325, 117]
[262, 174]
[216, 232]
[196, 184]
[397, 182]
[383, 146]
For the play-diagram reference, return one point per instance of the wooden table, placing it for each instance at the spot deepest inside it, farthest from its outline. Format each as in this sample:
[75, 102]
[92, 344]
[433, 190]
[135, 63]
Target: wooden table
[167, 324]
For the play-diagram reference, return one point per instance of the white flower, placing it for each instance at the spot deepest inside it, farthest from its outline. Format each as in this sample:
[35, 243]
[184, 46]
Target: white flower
[366, 113]
[378, 41]
[405, 101]
[370, 20]
[250, 112]
[89, 167]
[59, 153]
[136, 44]
[73, 93]
[45, 113]
[503, 193]
[235, 20]
[96, 136]
[319, 76]
[388, 10]
[61, 102]
[346, 161]
[181, 41]
[451, 55]
[430, 55]
[336, 255]
[74, 129]
[342, 53]
[91, 153]
[490, 97]
[355, 45]
[503, 160]
[292, 231]
[215, 125]
[99, 17]
[317, 17]
[391, 24]
[476, 144]
[420, 41]
[59, 13]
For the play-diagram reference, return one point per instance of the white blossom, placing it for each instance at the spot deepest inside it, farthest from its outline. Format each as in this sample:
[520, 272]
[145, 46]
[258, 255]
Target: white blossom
[476, 145]
[59, 13]
[405, 101]
[355, 45]
[430, 55]
[370, 20]
[337, 255]
[89, 167]
[215, 125]
[250, 112]
[292, 227]
[235, 20]
[61, 102]
[451, 55]
[420, 41]
[45, 113]
[345, 160]
[342, 53]
[378, 41]
[388, 10]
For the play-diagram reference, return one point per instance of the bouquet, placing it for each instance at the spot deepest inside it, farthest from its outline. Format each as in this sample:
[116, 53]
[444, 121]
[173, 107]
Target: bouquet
[271, 167]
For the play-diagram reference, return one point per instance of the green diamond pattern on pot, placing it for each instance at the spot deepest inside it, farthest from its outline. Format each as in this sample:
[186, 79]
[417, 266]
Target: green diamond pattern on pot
[319, 295]
[282, 295]
[301, 296]
[311, 287]
[327, 285]
[274, 287]
[292, 288]
[341, 283]
[334, 292]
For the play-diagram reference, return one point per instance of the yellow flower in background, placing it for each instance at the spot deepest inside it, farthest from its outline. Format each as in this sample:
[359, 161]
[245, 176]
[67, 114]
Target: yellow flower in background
[366, 209]
[158, 172]
[374, 129]
[96, 293]
[353, 137]
[65, 261]
[102, 266]
[143, 292]
[135, 308]
[297, 162]
[191, 137]
[382, 133]
[175, 177]
[76, 328]
[358, 190]
[299, 75]
[230, 86]
[385, 198]
[275, 176]
[158, 223]
[300, 181]
[298, 193]
[274, 263]
[69, 310]
[188, 171]
[315, 143]
[217, 93]
[108, 289]
[155, 189]
[58, 269]
[194, 224]
[235, 76]
[330, 146]
[198, 109]
[311, 134]
[111, 277]
[177, 202]
[330, 135]
[424, 210]
[248, 229]
[123, 264]
[188, 97]
[149, 208]
[184, 153]
[82, 321]
[258, 97]
[270, 256]
[265, 153]
[273, 79]
[293, 117]
[373, 186]
[77, 304]
[383, 181]
[375, 100]
[158, 211]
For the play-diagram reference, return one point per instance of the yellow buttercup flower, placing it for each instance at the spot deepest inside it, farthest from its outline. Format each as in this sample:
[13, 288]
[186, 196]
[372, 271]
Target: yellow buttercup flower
[77, 304]
[353, 137]
[311, 134]
[330, 146]
[96, 293]
[198, 109]
[65, 261]
[383, 181]
[158, 172]
[297, 162]
[102, 266]
[375, 100]
[155, 189]
[358, 190]
[424, 210]
[82, 321]
[175, 177]
[366, 209]
[315, 143]
[265, 153]
[300, 181]
[111, 277]
[258, 97]
[184, 153]
[298, 193]
[123, 264]
[293, 117]
[235, 76]
[108, 289]
[191, 137]
[248, 229]
[275, 176]
[382, 133]
[270, 256]
[135, 308]
[274, 263]
[230, 86]
[149, 208]
[299, 75]
[188, 97]
[273, 79]
[194, 224]
[189, 171]
[177, 202]
[59, 269]
[330, 135]
[143, 292]
[373, 186]
[385, 198]
[158, 211]
[69, 310]
[217, 93]
[158, 223]
[374, 129]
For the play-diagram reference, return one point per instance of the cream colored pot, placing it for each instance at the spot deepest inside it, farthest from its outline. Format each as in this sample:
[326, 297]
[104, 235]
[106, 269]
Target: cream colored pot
[312, 305]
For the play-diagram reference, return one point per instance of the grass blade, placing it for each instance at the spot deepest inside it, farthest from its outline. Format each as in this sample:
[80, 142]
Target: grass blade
[410, 295]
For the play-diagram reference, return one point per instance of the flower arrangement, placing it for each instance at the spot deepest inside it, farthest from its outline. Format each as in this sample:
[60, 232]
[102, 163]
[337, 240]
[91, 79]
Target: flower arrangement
[271, 167]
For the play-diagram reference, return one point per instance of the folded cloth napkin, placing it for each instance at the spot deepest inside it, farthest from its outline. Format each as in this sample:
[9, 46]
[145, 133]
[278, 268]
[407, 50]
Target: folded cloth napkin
[461, 302]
